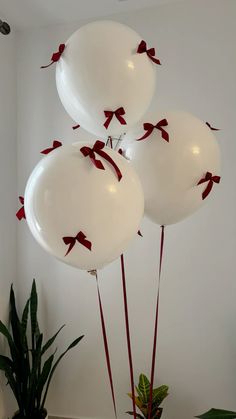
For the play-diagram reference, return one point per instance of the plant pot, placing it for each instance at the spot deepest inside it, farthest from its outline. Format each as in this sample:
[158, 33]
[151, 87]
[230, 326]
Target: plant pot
[44, 415]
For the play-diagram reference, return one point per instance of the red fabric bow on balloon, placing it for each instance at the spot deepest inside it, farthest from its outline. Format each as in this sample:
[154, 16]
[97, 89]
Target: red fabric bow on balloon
[118, 114]
[56, 55]
[211, 180]
[98, 149]
[150, 52]
[150, 127]
[81, 238]
[55, 145]
[21, 212]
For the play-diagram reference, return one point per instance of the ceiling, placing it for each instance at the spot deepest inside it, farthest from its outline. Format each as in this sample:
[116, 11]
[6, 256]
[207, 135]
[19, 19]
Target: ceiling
[35, 13]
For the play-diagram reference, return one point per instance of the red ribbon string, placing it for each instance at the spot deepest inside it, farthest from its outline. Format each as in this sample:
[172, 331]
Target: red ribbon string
[150, 52]
[98, 149]
[56, 56]
[128, 334]
[211, 180]
[156, 322]
[21, 212]
[213, 129]
[118, 114]
[148, 127]
[76, 126]
[55, 145]
[105, 342]
[81, 238]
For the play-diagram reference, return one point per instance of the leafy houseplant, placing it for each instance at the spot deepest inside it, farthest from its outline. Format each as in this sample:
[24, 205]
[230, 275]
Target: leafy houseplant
[142, 399]
[218, 414]
[27, 373]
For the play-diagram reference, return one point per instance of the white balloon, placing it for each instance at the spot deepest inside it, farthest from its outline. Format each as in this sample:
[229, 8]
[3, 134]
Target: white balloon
[66, 194]
[170, 171]
[100, 70]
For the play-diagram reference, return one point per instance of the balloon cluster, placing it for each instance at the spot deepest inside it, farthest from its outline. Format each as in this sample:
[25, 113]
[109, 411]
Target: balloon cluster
[84, 203]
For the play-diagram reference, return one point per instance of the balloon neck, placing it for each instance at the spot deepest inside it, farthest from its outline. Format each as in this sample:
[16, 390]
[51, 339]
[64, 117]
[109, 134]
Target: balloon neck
[93, 272]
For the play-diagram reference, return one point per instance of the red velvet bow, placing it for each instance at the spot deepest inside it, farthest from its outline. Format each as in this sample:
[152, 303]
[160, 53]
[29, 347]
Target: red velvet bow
[140, 234]
[118, 113]
[98, 148]
[56, 56]
[150, 127]
[150, 52]
[213, 129]
[76, 126]
[21, 212]
[55, 145]
[211, 180]
[81, 238]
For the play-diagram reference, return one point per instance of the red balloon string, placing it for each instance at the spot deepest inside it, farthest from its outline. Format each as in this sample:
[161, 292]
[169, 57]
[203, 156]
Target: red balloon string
[128, 334]
[156, 322]
[104, 334]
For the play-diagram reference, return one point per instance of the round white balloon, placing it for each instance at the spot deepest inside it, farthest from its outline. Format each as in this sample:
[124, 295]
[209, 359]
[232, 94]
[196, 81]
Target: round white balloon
[170, 171]
[100, 70]
[66, 194]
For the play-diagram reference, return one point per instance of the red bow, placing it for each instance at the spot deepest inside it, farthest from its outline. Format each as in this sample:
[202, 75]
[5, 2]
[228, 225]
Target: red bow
[76, 126]
[140, 234]
[56, 56]
[211, 180]
[150, 127]
[21, 212]
[150, 52]
[81, 238]
[213, 129]
[98, 148]
[118, 113]
[55, 145]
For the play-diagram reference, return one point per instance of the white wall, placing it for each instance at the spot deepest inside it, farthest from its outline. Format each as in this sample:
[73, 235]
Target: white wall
[197, 341]
[7, 185]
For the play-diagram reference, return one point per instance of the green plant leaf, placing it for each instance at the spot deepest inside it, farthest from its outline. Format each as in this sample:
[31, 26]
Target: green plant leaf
[24, 320]
[144, 387]
[14, 352]
[6, 365]
[50, 341]
[156, 412]
[159, 394]
[72, 345]
[33, 314]
[139, 394]
[137, 415]
[218, 414]
[136, 399]
[15, 322]
[43, 378]
[33, 376]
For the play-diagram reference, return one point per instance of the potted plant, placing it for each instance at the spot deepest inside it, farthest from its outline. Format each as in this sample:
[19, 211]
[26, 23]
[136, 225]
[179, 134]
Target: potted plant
[218, 414]
[143, 397]
[28, 368]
